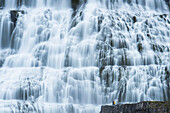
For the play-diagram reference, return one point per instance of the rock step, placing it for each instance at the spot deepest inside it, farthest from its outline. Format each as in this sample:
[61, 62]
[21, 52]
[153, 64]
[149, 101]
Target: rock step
[142, 107]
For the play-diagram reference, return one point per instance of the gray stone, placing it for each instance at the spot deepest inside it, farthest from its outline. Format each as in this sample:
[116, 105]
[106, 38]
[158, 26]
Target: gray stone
[142, 107]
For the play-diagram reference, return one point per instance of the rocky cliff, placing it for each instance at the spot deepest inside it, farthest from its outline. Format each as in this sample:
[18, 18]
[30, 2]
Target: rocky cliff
[142, 107]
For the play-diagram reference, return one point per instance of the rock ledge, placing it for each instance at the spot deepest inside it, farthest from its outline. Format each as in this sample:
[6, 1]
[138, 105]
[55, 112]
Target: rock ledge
[141, 107]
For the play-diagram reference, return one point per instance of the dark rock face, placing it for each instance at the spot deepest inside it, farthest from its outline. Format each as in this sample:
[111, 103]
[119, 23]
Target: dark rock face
[2, 3]
[168, 3]
[142, 107]
[15, 14]
[76, 3]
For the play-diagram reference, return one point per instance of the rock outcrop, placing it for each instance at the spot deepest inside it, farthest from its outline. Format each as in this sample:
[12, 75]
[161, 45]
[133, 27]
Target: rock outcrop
[142, 107]
[14, 15]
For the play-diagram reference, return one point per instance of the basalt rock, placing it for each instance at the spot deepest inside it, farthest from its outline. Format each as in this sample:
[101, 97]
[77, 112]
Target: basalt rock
[142, 107]
[15, 15]
[76, 3]
[2, 3]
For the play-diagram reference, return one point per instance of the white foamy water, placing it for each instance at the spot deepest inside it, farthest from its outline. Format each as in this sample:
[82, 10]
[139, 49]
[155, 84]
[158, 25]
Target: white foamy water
[57, 60]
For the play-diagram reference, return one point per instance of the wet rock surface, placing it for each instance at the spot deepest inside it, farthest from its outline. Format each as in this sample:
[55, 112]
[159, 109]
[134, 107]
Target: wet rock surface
[15, 14]
[142, 107]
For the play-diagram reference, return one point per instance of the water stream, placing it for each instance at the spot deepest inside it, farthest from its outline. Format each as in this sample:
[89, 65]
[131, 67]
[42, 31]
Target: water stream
[54, 59]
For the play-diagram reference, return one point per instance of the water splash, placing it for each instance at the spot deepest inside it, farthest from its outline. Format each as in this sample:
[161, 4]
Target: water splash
[55, 59]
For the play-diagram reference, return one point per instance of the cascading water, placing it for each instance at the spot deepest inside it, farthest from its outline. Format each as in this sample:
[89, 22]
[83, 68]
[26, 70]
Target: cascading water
[57, 60]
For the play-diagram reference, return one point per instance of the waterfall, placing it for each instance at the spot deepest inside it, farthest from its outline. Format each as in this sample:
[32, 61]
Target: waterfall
[68, 56]
[59, 4]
